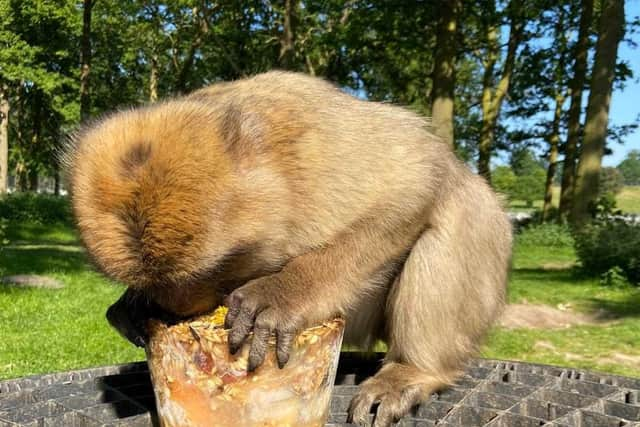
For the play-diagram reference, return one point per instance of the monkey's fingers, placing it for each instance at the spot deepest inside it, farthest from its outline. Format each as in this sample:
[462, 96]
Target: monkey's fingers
[233, 304]
[360, 407]
[283, 347]
[388, 413]
[262, 329]
[240, 328]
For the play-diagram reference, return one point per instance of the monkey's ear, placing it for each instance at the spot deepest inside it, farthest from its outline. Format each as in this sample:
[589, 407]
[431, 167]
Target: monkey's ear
[243, 132]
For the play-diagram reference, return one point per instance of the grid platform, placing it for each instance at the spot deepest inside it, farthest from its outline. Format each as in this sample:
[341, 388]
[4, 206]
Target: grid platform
[491, 393]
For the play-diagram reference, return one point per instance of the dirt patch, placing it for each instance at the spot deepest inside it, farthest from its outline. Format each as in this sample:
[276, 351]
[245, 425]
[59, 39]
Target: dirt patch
[32, 281]
[615, 358]
[621, 359]
[533, 316]
[558, 266]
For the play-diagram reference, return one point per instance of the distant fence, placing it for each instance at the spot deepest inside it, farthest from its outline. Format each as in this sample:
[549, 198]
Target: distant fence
[521, 219]
[46, 185]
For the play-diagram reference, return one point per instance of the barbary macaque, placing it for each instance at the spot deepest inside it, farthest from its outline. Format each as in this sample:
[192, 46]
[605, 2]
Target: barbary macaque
[294, 202]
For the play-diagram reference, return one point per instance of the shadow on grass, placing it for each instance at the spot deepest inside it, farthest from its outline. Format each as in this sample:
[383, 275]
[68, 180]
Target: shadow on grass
[38, 260]
[21, 244]
[571, 275]
[36, 233]
[616, 310]
[603, 302]
[522, 206]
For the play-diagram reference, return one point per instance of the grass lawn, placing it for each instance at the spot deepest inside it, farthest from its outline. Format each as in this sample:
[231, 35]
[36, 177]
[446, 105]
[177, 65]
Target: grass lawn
[542, 275]
[52, 330]
[628, 200]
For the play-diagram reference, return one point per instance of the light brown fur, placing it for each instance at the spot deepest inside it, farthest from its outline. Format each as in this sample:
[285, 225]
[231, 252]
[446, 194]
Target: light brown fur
[304, 203]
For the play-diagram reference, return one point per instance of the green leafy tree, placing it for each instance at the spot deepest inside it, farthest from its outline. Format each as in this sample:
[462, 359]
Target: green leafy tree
[442, 106]
[495, 84]
[43, 84]
[578, 78]
[630, 168]
[524, 162]
[530, 187]
[504, 180]
[539, 90]
[610, 32]
[611, 181]
[17, 61]
[530, 176]
[527, 186]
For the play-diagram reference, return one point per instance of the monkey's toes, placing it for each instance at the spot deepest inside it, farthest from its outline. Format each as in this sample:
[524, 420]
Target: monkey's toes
[393, 404]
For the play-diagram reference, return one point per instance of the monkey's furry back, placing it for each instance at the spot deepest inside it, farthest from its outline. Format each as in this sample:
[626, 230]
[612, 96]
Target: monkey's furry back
[273, 166]
[149, 184]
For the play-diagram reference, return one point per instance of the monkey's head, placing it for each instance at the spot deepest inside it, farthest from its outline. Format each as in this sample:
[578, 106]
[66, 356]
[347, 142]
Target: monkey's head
[153, 196]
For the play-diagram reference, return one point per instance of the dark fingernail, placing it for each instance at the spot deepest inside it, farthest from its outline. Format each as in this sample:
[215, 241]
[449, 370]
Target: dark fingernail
[233, 348]
[282, 361]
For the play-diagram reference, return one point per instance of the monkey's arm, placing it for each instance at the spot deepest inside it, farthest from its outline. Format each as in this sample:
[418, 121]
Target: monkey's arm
[314, 286]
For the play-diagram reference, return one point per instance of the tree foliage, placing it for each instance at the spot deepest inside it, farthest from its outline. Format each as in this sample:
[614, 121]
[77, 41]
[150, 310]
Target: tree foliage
[611, 181]
[513, 63]
[630, 168]
[523, 180]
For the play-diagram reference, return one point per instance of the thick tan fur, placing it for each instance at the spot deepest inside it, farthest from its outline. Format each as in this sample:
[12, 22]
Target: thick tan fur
[325, 203]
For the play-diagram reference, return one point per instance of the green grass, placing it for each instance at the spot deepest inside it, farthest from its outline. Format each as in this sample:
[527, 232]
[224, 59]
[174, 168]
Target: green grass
[545, 276]
[54, 330]
[628, 200]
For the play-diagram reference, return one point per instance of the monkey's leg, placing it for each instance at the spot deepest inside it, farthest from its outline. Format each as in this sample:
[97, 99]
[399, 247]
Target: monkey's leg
[443, 301]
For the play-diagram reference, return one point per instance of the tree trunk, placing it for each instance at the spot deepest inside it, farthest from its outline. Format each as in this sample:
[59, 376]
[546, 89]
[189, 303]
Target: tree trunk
[20, 171]
[22, 176]
[85, 60]
[153, 79]
[573, 132]
[486, 130]
[56, 181]
[554, 136]
[610, 32]
[444, 71]
[485, 147]
[286, 58]
[187, 65]
[36, 140]
[4, 137]
[33, 180]
[554, 140]
[492, 98]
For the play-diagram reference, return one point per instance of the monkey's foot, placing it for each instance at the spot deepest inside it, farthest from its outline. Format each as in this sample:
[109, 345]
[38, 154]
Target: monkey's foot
[396, 388]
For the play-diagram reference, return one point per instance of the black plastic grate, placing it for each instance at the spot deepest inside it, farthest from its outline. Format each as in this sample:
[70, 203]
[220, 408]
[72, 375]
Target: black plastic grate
[492, 393]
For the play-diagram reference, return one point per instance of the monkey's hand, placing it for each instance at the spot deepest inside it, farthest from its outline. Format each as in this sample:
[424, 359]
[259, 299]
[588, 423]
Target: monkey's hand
[314, 287]
[261, 305]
